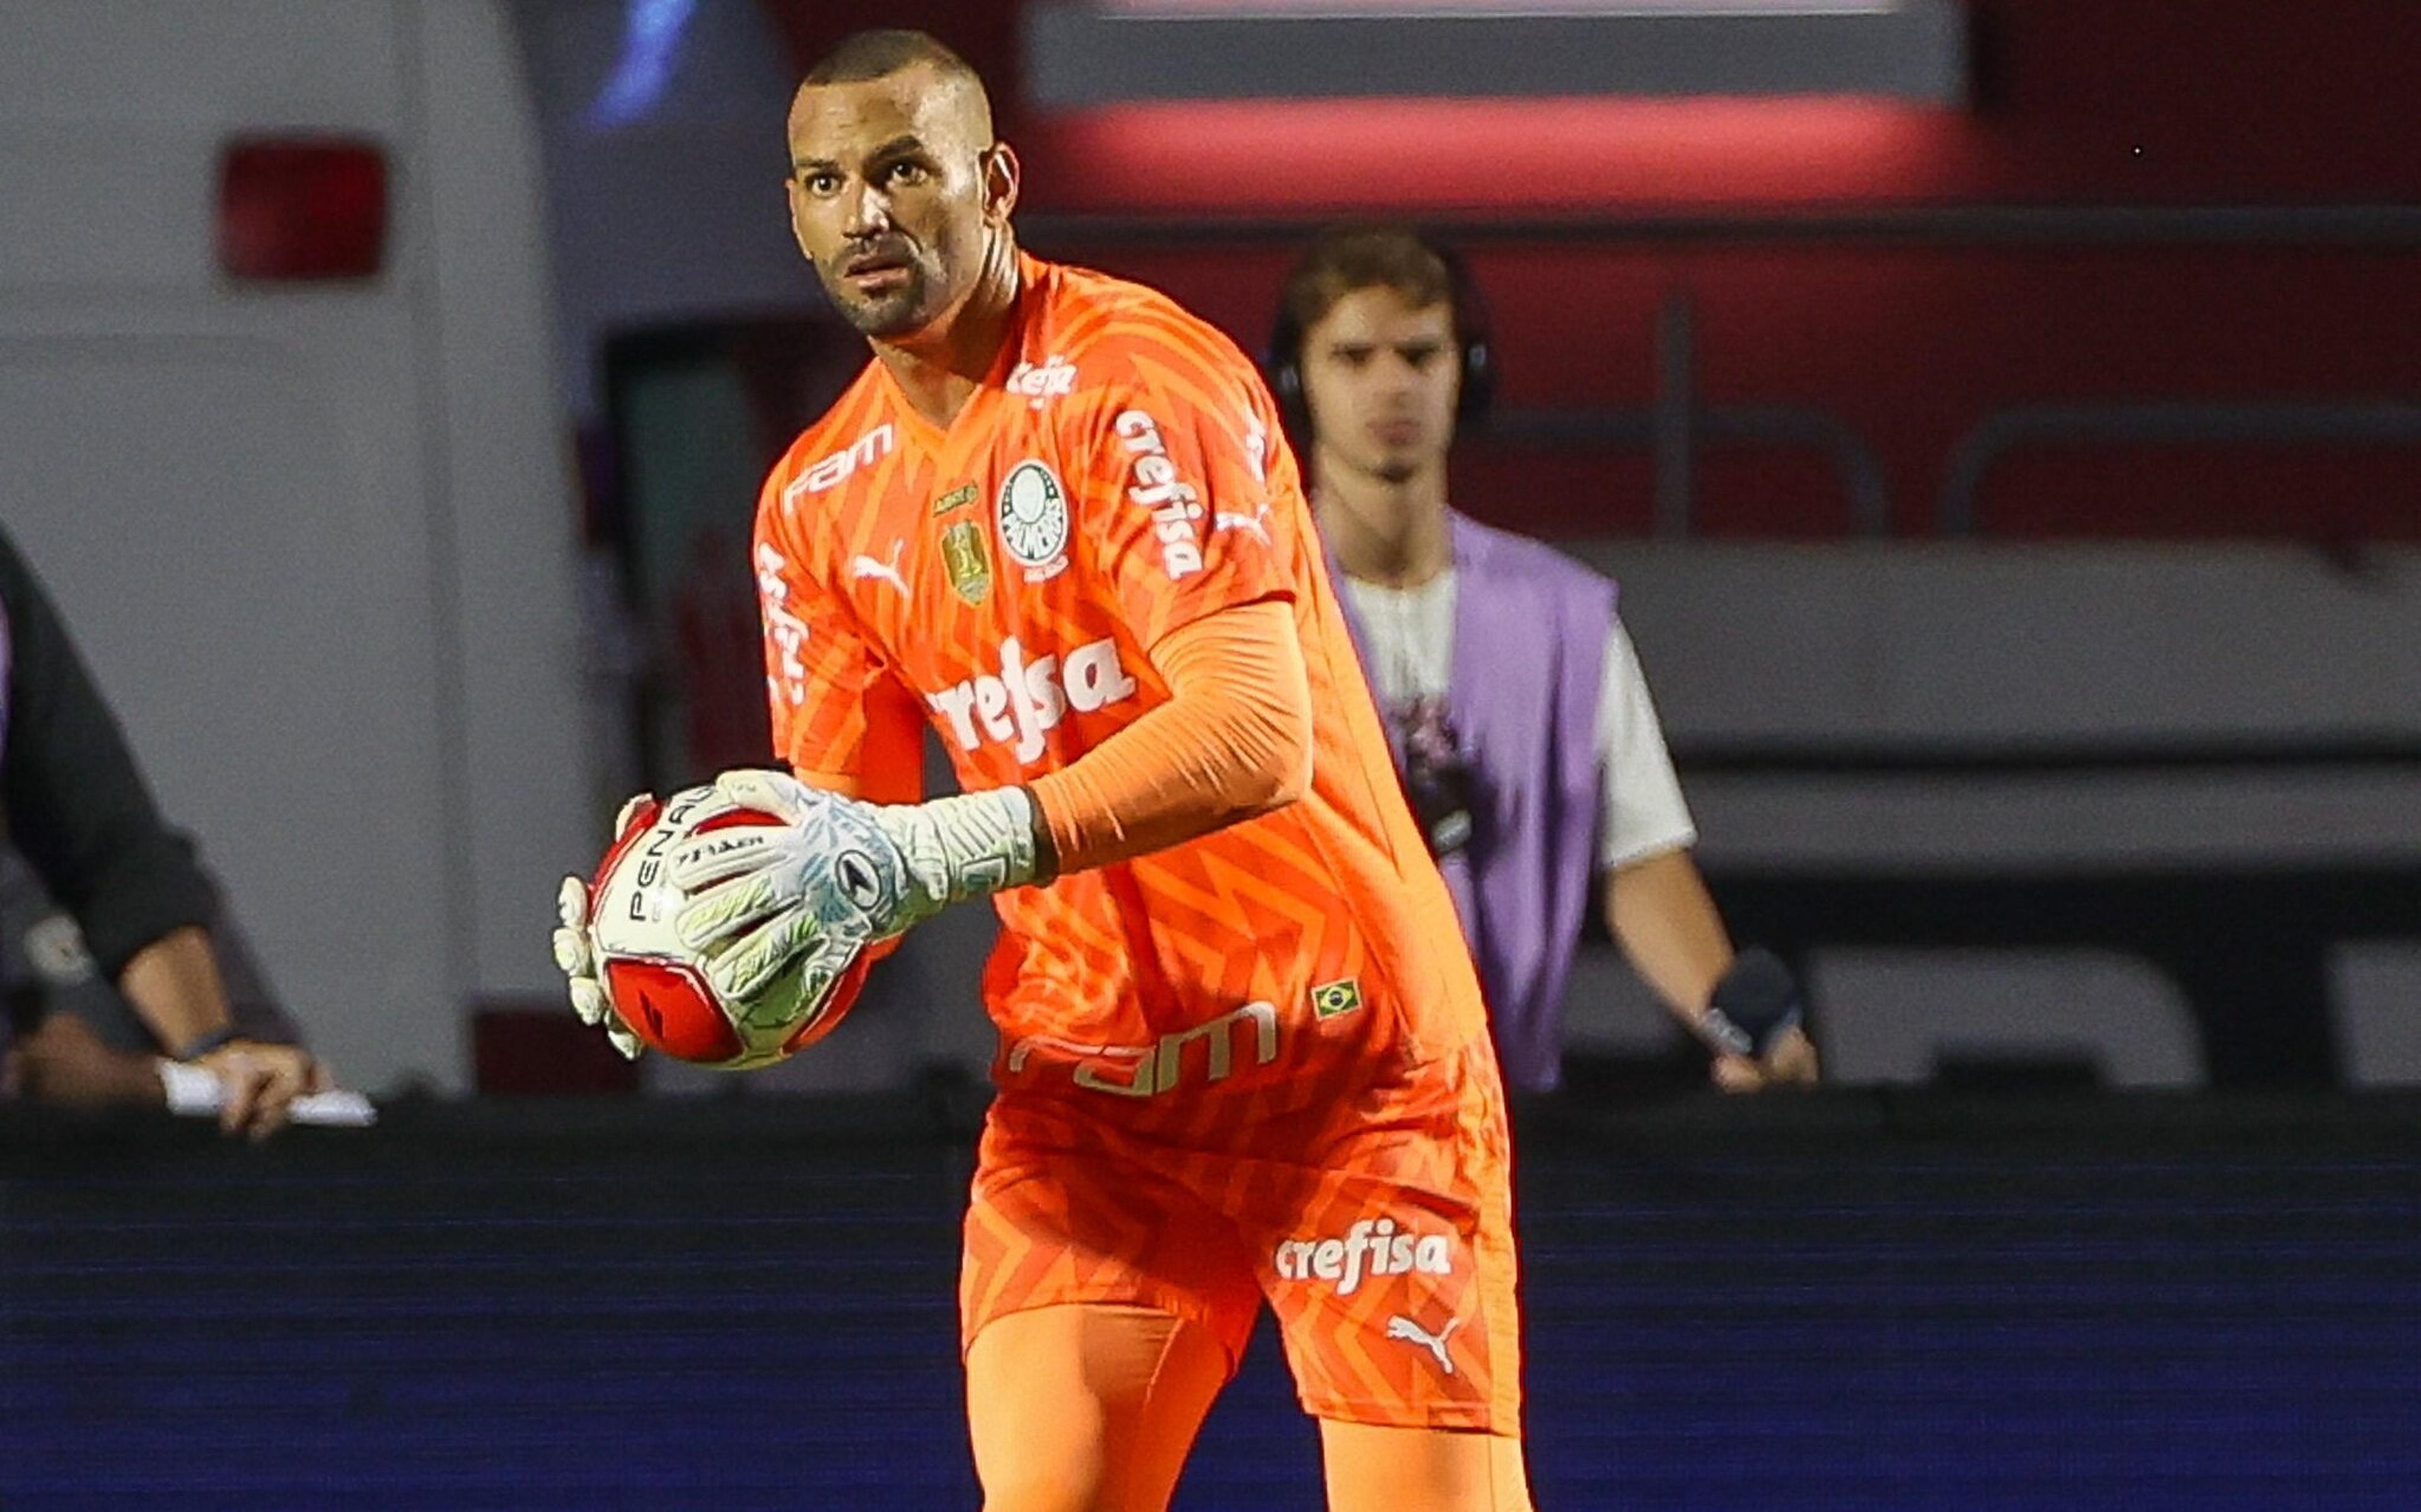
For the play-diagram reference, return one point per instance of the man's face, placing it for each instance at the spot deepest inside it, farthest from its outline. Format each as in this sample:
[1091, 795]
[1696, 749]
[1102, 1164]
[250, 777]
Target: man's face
[893, 182]
[1381, 377]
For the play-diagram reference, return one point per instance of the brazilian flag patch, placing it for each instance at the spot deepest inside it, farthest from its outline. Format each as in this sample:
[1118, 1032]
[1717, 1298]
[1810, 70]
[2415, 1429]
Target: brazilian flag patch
[1329, 999]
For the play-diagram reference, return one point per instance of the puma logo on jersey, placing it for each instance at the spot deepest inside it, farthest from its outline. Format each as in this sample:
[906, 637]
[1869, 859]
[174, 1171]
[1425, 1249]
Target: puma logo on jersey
[861, 567]
[1056, 378]
[1154, 483]
[1029, 698]
[1400, 1327]
[831, 472]
[1257, 522]
[1367, 1249]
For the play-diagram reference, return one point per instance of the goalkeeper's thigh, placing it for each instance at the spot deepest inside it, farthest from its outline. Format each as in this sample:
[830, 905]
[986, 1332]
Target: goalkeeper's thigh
[1088, 1407]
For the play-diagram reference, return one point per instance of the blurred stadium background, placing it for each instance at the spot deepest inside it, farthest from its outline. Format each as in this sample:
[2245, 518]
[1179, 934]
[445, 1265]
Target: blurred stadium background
[2004, 417]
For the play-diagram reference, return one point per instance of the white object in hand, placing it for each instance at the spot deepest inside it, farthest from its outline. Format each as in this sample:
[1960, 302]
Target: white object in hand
[195, 1092]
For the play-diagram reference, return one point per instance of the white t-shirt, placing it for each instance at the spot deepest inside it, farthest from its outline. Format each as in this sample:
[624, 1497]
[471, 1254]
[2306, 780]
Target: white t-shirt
[1411, 636]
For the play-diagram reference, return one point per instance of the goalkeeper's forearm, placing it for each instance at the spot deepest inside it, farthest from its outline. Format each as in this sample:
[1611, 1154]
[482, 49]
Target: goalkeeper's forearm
[1233, 741]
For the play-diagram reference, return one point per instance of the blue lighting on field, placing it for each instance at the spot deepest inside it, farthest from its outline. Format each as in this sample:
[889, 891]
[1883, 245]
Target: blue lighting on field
[650, 46]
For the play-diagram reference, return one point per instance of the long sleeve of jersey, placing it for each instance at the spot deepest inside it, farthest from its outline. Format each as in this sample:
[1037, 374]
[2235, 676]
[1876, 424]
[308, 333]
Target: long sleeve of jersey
[842, 719]
[1233, 741]
[75, 804]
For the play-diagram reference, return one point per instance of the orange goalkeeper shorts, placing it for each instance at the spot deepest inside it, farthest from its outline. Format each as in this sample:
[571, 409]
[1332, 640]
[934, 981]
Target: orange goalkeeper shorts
[1383, 1241]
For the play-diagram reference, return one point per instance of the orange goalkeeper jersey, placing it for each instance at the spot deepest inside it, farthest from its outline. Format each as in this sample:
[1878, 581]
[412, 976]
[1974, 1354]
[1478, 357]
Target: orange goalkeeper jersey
[1120, 474]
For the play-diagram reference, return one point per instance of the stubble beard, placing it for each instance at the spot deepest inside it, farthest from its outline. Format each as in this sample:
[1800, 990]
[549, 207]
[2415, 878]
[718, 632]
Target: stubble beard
[883, 317]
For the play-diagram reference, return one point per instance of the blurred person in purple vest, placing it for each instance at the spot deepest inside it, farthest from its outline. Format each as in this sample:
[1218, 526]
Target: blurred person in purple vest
[1519, 716]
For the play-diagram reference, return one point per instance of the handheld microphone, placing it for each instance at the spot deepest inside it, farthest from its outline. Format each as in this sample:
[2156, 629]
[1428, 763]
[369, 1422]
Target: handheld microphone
[1757, 1003]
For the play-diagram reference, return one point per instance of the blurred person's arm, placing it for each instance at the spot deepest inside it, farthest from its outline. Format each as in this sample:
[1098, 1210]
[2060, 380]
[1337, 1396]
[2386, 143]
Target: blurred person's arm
[61, 1060]
[1657, 906]
[175, 987]
[1659, 913]
[79, 810]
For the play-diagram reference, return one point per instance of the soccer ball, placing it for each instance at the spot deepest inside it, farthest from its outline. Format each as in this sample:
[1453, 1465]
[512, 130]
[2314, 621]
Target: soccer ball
[656, 984]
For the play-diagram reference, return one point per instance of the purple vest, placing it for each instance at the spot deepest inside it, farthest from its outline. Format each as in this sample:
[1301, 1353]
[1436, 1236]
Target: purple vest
[1530, 629]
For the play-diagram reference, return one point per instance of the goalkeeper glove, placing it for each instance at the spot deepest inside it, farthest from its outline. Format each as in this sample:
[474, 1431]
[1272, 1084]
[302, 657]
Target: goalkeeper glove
[575, 950]
[838, 871]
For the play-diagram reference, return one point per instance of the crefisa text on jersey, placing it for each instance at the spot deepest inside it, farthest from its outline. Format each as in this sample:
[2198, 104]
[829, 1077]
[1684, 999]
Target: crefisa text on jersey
[1030, 696]
[1175, 508]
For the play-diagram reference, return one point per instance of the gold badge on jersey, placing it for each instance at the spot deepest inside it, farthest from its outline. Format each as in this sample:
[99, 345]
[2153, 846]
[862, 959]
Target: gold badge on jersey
[968, 559]
[1330, 999]
[958, 498]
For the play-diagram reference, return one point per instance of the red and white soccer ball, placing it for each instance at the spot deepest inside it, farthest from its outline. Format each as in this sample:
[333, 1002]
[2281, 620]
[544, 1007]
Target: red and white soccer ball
[656, 984]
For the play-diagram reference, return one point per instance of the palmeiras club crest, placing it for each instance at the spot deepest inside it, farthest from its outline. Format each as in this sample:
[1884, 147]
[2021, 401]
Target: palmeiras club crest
[1032, 513]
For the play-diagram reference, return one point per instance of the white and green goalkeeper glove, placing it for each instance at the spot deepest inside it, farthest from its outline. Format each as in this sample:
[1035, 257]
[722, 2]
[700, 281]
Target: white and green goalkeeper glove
[575, 952]
[837, 870]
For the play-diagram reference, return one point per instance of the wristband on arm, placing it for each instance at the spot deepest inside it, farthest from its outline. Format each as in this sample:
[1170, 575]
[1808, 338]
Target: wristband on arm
[207, 1041]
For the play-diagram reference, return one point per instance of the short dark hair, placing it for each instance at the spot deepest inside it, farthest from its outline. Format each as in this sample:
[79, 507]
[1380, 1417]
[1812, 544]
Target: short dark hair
[1347, 260]
[878, 54]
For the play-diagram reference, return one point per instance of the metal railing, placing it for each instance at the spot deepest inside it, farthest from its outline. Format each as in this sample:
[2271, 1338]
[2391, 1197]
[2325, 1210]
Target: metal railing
[2374, 423]
[1676, 426]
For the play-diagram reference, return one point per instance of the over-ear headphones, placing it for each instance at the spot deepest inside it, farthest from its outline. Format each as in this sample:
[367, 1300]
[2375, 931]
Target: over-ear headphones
[1283, 362]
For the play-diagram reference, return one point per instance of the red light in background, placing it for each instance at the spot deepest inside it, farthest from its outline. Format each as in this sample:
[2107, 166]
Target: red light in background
[301, 209]
[1347, 155]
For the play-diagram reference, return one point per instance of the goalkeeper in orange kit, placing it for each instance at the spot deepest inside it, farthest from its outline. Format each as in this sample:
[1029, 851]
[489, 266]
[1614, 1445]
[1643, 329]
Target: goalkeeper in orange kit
[1242, 1054]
